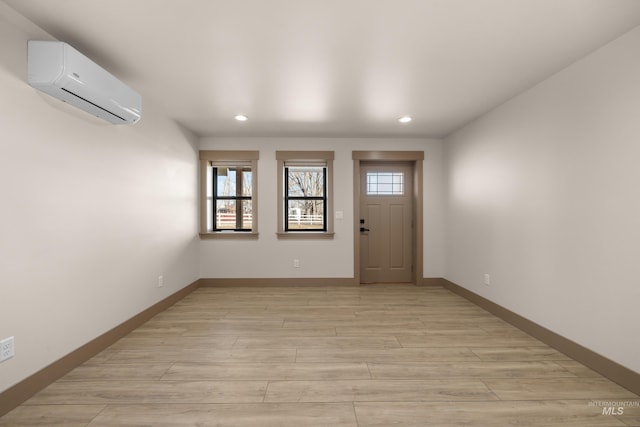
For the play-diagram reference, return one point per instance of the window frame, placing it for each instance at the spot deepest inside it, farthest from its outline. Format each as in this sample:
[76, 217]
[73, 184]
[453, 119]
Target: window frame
[288, 198]
[237, 199]
[223, 158]
[308, 158]
[392, 191]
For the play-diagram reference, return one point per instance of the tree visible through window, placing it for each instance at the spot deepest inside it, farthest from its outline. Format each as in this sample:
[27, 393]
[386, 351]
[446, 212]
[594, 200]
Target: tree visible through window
[305, 198]
[305, 195]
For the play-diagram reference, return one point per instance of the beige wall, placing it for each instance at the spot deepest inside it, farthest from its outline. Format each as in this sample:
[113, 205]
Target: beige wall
[542, 194]
[269, 257]
[90, 214]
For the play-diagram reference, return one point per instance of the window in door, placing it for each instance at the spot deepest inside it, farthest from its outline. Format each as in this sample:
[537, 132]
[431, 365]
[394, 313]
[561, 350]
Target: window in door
[385, 183]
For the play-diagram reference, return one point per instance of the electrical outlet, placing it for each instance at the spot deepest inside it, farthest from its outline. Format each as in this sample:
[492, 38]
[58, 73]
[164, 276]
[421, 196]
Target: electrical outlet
[296, 263]
[487, 279]
[7, 349]
[160, 281]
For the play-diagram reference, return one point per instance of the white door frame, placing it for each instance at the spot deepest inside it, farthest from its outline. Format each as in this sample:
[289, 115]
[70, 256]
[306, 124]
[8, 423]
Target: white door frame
[415, 157]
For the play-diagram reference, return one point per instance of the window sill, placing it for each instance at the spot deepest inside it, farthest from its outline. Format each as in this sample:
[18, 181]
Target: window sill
[228, 235]
[304, 235]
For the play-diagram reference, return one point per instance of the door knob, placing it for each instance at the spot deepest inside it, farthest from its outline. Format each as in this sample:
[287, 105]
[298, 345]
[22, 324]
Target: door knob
[362, 229]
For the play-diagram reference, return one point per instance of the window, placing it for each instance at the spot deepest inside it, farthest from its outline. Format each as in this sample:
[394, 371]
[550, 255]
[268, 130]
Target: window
[228, 193]
[385, 183]
[305, 193]
[229, 196]
[305, 198]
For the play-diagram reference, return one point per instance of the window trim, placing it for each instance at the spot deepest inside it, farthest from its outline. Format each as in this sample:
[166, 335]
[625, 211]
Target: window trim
[324, 157]
[233, 157]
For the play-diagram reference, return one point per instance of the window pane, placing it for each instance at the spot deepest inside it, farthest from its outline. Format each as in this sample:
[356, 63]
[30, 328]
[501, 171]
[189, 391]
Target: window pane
[246, 181]
[306, 181]
[225, 214]
[247, 215]
[385, 183]
[305, 215]
[227, 218]
[226, 182]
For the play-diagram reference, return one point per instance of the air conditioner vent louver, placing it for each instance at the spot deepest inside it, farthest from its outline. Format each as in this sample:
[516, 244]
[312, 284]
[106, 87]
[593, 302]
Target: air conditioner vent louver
[97, 106]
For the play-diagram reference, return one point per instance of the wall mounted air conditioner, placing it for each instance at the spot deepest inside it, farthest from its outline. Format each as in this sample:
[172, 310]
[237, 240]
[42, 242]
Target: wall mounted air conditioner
[61, 71]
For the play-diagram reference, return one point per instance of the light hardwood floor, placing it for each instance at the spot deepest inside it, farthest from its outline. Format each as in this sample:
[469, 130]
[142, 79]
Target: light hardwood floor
[392, 355]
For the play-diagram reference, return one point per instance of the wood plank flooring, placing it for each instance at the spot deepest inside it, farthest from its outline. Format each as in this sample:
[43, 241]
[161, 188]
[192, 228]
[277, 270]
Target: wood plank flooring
[385, 355]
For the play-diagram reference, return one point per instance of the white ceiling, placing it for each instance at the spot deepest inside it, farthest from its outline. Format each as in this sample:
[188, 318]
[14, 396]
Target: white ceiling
[331, 67]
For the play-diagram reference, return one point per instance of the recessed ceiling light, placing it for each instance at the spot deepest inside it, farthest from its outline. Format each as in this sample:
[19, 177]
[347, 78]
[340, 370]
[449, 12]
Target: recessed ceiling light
[241, 118]
[405, 119]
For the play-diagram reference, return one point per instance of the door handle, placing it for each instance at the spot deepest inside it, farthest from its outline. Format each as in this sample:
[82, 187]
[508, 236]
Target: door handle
[362, 229]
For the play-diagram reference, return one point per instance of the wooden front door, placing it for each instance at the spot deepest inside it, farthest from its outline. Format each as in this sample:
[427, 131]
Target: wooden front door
[386, 222]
